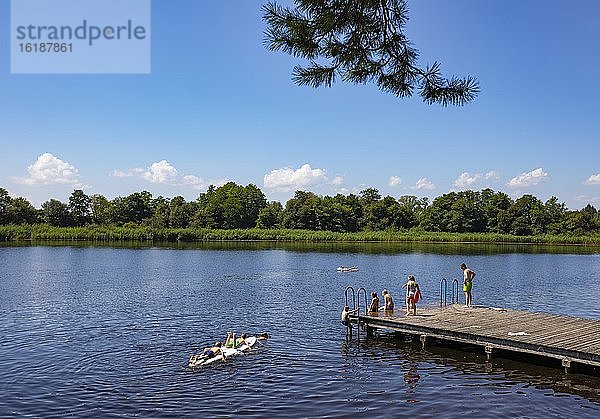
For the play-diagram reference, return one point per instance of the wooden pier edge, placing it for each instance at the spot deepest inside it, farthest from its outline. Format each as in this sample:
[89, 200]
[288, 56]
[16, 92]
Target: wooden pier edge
[550, 336]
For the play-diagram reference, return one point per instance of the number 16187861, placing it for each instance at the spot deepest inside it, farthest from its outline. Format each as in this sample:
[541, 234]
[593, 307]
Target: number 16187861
[47, 47]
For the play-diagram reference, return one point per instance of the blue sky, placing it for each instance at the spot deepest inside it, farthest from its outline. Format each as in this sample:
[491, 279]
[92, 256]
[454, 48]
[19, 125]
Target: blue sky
[219, 106]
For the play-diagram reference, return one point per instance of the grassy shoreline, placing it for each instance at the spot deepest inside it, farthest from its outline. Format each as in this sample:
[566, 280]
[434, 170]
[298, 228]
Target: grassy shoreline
[148, 234]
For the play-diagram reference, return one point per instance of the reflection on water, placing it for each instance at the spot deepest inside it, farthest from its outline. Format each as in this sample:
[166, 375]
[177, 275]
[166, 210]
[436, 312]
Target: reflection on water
[328, 247]
[449, 369]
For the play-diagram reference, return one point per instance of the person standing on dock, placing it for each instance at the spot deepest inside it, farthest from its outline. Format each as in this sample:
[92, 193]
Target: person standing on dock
[468, 276]
[413, 294]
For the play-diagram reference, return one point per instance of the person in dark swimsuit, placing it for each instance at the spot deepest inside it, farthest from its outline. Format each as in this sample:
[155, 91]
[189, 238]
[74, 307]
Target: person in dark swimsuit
[213, 351]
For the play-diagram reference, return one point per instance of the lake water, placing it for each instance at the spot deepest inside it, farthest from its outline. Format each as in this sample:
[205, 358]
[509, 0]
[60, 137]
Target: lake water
[107, 331]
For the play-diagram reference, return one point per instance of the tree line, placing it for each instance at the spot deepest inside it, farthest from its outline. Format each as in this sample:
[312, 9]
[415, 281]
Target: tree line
[233, 206]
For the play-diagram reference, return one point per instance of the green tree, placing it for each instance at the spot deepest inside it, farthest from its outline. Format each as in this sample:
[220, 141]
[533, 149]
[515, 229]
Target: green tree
[578, 223]
[56, 213]
[134, 208]
[437, 217]
[178, 217]
[466, 213]
[369, 196]
[79, 208]
[368, 199]
[495, 205]
[229, 206]
[334, 215]
[349, 211]
[21, 211]
[181, 212]
[527, 216]
[360, 41]
[353, 202]
[301, 211]
[555, 213]
[253, 201]
[101, 210]
[159, 208]
[381, 215]
[203, 217]
[270, 216]
[5, 201]
[410, 209]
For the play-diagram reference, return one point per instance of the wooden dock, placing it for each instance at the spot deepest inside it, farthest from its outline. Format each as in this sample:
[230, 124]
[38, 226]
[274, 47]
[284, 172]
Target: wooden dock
[497, 330]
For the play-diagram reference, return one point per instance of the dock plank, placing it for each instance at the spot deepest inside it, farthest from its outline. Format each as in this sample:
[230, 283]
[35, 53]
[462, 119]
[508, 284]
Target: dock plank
[544, 334]
[575, 338]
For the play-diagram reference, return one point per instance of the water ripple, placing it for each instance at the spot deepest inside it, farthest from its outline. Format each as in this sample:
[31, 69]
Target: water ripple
[107, 333]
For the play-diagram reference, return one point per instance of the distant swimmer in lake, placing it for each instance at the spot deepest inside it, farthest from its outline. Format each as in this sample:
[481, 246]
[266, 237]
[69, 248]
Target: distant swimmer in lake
[374, 307]
[468, 276]
[388, 301]
[413, 294]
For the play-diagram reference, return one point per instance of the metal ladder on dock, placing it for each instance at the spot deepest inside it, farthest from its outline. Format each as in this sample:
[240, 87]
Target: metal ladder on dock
[356, 306]
[444, 292]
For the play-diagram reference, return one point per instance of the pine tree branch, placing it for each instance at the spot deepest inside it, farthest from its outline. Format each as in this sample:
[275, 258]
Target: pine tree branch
[362, 41]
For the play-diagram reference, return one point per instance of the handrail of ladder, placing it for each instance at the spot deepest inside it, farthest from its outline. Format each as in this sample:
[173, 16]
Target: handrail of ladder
[443, 292]
[353, 297]
[455, 293]
[364, 291]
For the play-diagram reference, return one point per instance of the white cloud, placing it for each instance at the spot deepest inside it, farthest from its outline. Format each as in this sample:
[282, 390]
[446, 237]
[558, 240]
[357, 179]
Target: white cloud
[200, 183]
[588, 199]
[528, 179]
[163, 172]
[337, 181]
[492, 174]
[593, 180]
[121, 173]
[160, 172]
[465, 180]
[424, 183]
[195, 181]
[49, 170]
[287, 179]
[395, 181]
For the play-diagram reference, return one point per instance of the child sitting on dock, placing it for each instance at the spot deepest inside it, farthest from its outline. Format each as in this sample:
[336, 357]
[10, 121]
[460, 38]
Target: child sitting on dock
[413, 294]
[374, 307]
[388, 302]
